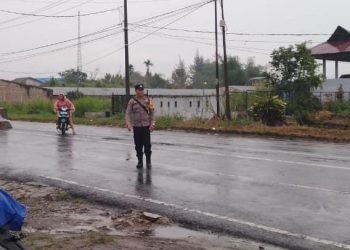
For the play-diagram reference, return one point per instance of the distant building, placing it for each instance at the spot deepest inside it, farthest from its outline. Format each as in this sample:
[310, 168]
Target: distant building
[19, 92]
[28, 81]
[257, 81]
[336, 48]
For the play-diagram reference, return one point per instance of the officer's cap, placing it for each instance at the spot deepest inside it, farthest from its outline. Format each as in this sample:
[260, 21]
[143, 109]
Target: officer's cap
[139, 86]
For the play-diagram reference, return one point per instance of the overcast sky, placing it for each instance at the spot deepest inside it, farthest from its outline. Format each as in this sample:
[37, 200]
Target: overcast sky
[163, 48]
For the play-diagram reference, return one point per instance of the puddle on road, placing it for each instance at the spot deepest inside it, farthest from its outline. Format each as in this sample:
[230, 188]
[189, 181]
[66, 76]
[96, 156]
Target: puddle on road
[175, 233]
[205, 238]
[112, 138]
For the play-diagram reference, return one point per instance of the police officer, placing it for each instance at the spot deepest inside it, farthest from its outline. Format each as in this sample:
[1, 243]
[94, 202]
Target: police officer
[140, 118]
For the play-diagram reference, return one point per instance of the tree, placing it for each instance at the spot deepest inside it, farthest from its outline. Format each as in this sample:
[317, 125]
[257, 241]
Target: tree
[179, 76]
[202, 71]
[115, 80]
[73, 76]
[148, 65]
[293, 76]
[340, 93]
[253, 70]
[197, 72]
[131, 69]
[157, 81]
[236, 73]
[148, 75]
[52, 82]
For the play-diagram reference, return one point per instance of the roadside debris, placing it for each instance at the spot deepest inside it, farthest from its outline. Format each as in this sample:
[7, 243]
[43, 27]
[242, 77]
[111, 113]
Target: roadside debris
[57, 220]
[4, 124]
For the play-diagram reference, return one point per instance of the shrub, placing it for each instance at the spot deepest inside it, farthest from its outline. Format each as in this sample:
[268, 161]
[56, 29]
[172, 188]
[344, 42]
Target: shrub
[270, 111]
[322, 116]
[303, 117]
[338, 107]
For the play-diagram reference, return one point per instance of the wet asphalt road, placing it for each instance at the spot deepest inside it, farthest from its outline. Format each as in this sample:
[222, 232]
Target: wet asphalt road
[293, 193]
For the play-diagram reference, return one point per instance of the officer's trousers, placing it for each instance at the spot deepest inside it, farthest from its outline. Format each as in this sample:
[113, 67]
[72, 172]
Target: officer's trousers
[142, 139]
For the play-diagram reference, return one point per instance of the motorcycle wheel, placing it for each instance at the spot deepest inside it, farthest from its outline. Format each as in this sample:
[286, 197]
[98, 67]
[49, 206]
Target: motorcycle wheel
[63, 129]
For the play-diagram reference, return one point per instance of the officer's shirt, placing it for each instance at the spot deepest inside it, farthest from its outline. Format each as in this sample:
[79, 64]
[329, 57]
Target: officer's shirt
[136, 115]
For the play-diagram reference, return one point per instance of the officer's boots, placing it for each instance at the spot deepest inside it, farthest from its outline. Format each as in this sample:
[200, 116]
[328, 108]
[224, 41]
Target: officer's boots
[140, 163]
[148, 161]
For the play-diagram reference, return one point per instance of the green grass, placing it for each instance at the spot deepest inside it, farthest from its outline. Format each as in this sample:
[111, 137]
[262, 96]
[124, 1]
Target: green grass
[92, 104]
[42, 109]
[167, 121]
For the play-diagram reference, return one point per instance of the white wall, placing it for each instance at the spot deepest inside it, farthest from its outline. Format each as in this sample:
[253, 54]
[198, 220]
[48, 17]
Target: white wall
[187, 107]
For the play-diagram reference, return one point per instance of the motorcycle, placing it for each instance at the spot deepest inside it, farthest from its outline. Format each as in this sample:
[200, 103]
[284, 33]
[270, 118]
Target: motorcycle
[63, 120]
[12, 216]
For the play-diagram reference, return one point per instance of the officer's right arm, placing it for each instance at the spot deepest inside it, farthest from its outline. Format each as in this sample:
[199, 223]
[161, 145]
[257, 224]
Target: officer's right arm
[128, 115]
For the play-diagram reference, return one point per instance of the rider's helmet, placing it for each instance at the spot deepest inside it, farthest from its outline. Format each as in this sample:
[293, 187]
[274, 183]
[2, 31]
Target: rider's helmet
[61, 94]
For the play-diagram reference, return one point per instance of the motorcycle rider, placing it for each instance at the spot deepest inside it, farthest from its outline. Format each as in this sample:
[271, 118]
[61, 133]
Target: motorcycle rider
[63, 101]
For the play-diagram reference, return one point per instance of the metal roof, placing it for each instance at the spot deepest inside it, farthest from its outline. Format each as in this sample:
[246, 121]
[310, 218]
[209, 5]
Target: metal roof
[337, 47]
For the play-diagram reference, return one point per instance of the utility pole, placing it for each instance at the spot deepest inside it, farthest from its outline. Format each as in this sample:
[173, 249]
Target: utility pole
[217, 61]
[127, 64]
[79, 55]
[227, 91]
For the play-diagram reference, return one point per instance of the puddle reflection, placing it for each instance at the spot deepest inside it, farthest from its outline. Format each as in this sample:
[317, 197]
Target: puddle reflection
[144, 182]
[64, 153]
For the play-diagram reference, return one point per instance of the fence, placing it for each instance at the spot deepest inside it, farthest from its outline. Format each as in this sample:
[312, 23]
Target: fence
[196, 106]
[241, 101]
[332, 96]
[119, 103]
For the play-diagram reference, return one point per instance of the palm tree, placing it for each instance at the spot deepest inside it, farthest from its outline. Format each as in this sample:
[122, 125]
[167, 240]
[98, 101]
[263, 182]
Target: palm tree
[131, 68]
[148, 64]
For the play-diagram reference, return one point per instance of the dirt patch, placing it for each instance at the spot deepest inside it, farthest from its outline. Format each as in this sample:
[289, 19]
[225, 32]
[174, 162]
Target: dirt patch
[57, 220]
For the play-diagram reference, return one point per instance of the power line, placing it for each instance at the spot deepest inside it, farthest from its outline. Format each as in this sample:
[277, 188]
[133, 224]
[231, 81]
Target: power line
[35, 20]
[149, 34]
[61, 42]
[94, 33]
[243, 49]
[51, 16]
[47, 7]
[234, 40]
[9, 60]
[168, 14]
[235, 33]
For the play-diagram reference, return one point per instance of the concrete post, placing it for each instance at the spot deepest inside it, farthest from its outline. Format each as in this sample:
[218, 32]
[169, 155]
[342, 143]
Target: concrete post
[336, 69]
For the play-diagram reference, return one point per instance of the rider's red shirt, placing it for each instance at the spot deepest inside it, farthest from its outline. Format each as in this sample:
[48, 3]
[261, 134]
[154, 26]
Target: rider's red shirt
[64, 103]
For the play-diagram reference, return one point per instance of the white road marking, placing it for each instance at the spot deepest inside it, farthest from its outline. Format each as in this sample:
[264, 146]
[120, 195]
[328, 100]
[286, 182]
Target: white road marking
[250, 179]
[211, 215]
